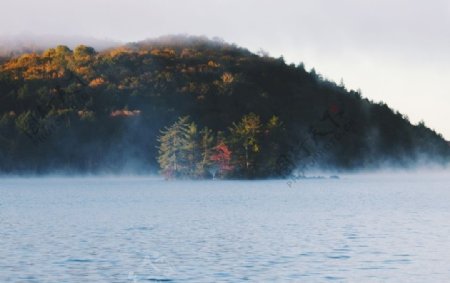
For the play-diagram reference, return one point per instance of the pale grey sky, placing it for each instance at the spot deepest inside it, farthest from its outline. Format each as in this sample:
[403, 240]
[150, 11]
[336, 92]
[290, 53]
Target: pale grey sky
[395, 51]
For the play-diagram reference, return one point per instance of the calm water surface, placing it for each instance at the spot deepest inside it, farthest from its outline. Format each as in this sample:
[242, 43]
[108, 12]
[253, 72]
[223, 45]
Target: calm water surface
[355, 229]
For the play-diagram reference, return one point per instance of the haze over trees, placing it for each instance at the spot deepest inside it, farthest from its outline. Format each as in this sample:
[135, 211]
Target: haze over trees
[193, 107]
[12, 46]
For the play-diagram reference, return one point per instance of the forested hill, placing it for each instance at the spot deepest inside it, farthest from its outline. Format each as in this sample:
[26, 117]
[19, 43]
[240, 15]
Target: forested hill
[250, 116]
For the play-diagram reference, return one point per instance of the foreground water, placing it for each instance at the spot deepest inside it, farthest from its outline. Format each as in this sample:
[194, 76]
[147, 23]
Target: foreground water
[355, 229]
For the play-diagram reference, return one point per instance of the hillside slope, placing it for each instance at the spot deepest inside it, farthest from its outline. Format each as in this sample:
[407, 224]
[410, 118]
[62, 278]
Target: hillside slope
[84, 111]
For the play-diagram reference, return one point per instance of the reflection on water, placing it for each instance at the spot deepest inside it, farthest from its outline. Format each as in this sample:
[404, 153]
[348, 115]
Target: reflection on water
[143, 230]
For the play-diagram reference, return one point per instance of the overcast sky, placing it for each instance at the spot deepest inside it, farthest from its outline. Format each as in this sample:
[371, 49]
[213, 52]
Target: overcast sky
[395, 51]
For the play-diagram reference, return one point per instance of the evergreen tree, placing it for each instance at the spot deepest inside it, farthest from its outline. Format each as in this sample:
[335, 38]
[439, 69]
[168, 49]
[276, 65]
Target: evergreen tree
[268, 160]
[172, 149]
[206, 148]
[190, 150]
[244, 137]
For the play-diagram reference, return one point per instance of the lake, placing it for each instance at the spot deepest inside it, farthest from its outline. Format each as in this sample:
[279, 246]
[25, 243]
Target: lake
[370, 228]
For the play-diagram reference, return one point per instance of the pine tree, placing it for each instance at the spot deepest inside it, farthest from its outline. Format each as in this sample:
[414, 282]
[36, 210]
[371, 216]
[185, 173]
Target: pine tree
[172, 148]
[206, 148]
[244, 137]
[190, 150]
[270, 160]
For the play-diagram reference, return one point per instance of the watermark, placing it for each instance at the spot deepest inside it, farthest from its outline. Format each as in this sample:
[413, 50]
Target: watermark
[154, 267]
[319, 140]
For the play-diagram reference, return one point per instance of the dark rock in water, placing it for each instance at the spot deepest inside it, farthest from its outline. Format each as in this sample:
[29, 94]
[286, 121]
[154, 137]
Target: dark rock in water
[334, 177]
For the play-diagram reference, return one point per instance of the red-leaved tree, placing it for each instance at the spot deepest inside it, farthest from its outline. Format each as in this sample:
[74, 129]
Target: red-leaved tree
[221, 158]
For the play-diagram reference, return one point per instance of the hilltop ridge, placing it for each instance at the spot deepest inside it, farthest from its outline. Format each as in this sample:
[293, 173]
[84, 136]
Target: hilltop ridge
[88, 111]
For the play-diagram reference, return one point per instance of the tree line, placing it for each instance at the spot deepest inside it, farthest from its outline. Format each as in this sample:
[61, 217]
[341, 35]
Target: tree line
[249, 148]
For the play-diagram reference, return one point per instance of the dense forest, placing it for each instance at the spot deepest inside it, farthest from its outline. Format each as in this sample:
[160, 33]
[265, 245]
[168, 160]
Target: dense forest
[193, 107]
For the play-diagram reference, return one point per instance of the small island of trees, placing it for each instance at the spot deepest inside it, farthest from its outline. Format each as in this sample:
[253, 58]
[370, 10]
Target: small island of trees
[249, 148]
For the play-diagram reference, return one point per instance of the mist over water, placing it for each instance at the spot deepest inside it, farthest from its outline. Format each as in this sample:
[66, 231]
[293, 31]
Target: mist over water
[359, 228]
